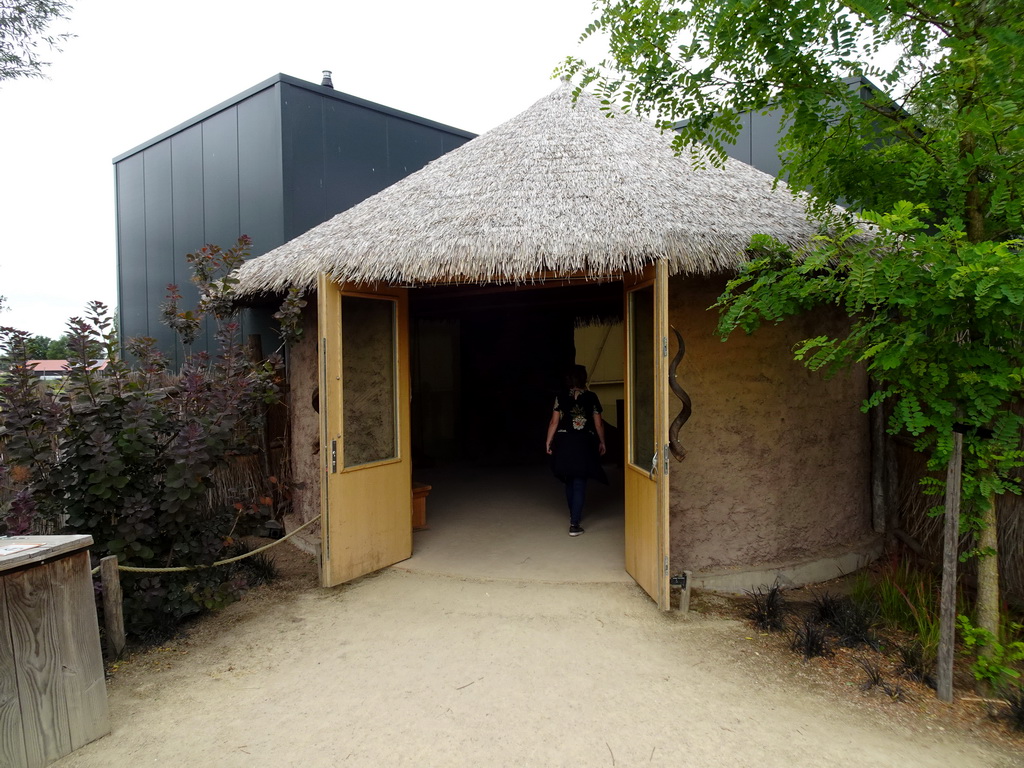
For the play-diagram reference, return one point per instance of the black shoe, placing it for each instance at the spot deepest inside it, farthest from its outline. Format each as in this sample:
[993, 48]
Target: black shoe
[575, 530]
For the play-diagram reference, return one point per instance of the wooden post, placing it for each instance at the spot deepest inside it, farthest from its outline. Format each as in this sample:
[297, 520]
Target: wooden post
[254, 348]
[684, 593]
[113, 606]
[947, 604]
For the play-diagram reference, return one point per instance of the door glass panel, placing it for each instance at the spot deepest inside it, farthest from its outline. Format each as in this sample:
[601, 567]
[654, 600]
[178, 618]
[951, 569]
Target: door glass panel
[641, 375]
[368, 380]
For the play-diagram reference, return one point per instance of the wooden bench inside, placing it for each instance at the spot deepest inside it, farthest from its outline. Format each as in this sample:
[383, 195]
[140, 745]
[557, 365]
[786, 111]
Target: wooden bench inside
[419, 504]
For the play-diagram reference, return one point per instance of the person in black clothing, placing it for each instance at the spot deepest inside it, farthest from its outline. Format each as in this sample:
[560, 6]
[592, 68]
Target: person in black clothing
[575, 442]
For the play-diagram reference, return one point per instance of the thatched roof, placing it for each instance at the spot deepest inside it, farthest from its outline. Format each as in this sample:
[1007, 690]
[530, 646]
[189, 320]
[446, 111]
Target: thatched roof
[561, 188]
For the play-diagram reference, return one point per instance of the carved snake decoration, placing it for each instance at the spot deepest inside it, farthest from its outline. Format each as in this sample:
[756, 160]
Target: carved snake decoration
[673, 431]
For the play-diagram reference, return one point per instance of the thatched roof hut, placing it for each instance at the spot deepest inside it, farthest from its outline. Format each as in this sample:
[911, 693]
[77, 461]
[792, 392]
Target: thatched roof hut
[565, 191]
[563, 187]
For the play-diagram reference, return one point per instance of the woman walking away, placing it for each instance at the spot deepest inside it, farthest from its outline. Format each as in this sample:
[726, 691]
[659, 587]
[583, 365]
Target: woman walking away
[575, 442]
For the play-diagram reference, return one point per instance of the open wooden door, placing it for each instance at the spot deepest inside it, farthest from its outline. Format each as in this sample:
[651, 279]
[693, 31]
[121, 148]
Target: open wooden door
[366, 484]
[646, 425]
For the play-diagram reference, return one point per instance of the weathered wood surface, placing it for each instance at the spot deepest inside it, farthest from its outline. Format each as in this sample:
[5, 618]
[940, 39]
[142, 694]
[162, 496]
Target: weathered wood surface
[12, 734]
[947, 597]
[49, 547]
[52, 691]
[113, 606]
[34, 632]
[84, 682]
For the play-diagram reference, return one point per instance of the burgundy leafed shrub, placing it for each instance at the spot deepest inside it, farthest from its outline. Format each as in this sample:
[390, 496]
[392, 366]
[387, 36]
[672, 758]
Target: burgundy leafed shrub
[127, 453]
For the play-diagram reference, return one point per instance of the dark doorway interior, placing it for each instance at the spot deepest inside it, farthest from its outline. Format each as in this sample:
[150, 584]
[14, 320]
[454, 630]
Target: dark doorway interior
[486, 362]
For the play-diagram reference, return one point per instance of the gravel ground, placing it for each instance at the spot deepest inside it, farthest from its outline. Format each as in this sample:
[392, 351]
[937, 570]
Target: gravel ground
[413, 669]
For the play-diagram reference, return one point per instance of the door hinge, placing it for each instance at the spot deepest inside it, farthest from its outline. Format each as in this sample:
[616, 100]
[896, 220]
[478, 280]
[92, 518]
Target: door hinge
[665, 456]
[664, 346]
[666, 565]
[334, 456]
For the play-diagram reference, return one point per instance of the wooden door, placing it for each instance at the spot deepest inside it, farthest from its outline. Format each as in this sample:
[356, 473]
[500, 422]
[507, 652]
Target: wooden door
[366, 484]
[646, 425]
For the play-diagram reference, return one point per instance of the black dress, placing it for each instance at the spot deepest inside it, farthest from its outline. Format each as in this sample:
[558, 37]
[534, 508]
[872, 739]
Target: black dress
[574, 451]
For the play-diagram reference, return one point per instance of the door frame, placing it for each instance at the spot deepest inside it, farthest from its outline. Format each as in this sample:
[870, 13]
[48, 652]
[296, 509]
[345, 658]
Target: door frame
[366, 509]
[646, 488]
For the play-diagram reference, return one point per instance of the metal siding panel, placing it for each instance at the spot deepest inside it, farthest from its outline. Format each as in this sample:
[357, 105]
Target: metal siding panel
[410, 147]
[220, 177]
[260, 182]
[303, 160]
[356, 155]
[220, 190]
[766, 130]
[187, 199]
[131, 246]
[159, 237]
[741, 149]
[450, 141]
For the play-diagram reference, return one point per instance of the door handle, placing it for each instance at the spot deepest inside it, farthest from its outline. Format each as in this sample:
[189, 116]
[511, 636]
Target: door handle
[654, 466]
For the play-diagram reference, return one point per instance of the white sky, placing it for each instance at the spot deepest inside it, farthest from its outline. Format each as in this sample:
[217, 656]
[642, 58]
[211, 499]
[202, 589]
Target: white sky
[141, 67]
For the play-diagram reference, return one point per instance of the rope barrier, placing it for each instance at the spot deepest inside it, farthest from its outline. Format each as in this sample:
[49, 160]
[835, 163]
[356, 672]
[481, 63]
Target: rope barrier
[184, 568]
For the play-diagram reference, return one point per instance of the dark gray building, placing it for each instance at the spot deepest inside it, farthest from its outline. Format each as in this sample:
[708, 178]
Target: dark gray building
[757, 142]
[271, 162]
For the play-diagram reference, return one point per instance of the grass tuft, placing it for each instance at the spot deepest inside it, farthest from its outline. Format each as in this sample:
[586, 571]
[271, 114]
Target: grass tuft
[894, 692]
[916, 663]
[852, 623]
[826, 607]
[258, 569]
[874, 674]
[876, 680]
[810, 639]
[766, 607]
[261, 568]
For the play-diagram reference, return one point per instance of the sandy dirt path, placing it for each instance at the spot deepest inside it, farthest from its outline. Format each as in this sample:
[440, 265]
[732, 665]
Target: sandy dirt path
[408, 669]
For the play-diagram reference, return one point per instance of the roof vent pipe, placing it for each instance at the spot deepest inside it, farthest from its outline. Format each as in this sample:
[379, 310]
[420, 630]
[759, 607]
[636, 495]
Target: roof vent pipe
[326, 82]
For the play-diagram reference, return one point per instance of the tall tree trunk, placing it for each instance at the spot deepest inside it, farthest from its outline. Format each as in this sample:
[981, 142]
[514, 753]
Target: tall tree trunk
[974, 215]
[987, 610]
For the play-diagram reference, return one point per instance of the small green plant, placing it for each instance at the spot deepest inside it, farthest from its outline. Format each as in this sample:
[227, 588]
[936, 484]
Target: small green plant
[767, 608]
[995, 664]
[906, 599]
[810, 639]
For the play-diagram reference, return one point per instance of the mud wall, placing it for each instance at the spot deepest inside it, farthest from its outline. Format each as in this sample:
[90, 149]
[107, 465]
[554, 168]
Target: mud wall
[778, 464]
[305, 421]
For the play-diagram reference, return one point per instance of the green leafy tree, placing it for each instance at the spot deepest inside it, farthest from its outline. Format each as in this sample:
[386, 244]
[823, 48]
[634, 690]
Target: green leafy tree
[935, 296]
[59, 349]
[952, 139]
[24, 27]
[45, 348]
[36, 347]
